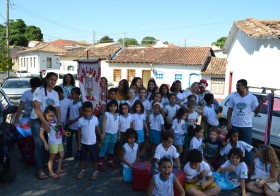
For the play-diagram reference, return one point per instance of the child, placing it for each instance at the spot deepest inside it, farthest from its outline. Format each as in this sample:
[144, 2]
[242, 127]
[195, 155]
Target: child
[209, 114]
[129, 151]
[162, 183]
[197, 133]
[156, 97]
[74, 113]
[233, 136]
[110, 134]
[152, 88]
[142, 97]
[126, 120]
[139, 121]
[164, 90]
[156, 125]
[170, 110]
[199, 178]
[112, 94]
[212, 148]
[54, 144]
[266, 168]
[131, 97]
[87, 129]
[136, 83]
[179, 128]
[234, 172]
[166, 149]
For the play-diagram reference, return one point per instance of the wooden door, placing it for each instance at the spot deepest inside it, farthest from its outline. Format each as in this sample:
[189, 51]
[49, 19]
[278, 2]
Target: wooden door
[146, 76]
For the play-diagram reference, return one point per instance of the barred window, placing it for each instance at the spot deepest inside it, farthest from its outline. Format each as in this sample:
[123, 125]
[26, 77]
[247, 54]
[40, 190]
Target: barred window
[217, 85]
[159, 75]
[117, 75]
[130, 74]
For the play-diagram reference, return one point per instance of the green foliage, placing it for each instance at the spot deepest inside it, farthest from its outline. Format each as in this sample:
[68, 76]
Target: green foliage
[128, 41]
[33, 33]
[106, 39]
[220, 42]
[4, 61]
[148, 40]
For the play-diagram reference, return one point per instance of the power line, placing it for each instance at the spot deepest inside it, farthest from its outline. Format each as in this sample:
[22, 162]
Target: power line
[3, 17]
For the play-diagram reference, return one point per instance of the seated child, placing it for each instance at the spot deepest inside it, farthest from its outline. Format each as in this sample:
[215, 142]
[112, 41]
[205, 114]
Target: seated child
[162, 183]
[199, 178]
[166, 149]
[265, 168]
[233, 172]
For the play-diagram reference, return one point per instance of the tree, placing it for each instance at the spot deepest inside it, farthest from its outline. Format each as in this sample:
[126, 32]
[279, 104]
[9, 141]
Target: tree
[106, 39]
[148, 40]
[33, 33]
[220, 42]
[128, 41]
[4, 61]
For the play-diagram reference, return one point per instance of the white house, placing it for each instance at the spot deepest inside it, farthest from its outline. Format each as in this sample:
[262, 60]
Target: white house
[253, 49]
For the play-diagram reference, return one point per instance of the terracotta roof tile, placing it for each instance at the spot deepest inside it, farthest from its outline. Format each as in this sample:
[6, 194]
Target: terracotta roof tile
[180, 55]
[45, 47]
[264, 29]
[216, 66]
[65, 43]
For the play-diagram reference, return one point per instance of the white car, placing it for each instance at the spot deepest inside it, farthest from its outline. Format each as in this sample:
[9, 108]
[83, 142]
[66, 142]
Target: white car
[23, 73]
[259, 120]
[15, 87]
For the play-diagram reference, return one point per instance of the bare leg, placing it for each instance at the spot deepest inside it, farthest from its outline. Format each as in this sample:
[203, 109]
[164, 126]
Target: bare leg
[59, 162]
[213, 191]
[194, 191]
[251, 186]
[268, 191]
[50, 164]
[82, 164]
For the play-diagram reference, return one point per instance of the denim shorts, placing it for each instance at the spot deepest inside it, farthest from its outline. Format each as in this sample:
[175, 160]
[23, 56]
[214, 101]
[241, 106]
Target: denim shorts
[141, 136]
[179, 139]
[93, 151]
[155, 136]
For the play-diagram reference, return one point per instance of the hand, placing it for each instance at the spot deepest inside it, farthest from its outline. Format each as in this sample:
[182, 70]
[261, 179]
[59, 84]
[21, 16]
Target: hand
[203, 185]
[232, 167]
[264, 99]
[260, 183]
[102, 137]
[79, 146]
[119, 137]
[130, 165]
[147, 134]
[69, 122]
[46, 146]
[203, 174]
[244, 193]
[229, 126]
[46, 126]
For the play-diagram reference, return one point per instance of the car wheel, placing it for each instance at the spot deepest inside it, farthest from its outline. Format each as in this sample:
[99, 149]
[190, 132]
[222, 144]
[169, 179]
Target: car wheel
[11, 174]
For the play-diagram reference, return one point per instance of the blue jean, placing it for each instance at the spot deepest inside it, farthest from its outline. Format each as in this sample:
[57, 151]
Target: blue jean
[39, 151]
[108, 144]
[246, 136]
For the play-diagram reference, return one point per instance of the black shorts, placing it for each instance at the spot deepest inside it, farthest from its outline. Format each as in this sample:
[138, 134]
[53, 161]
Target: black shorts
[92, 149]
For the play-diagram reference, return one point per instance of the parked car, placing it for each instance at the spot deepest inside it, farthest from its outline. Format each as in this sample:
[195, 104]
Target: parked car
[259, 120]
[7, 138]
[15, 87]
[23, 73]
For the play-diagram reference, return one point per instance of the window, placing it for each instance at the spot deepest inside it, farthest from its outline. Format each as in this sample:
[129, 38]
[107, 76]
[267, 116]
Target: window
[130, 74]
[217, 85]
[34, 61]
[117, 75]
[49, 62]
[30, 61]
[70, 68]
[178, 76]
[21, 62]
[159, 75]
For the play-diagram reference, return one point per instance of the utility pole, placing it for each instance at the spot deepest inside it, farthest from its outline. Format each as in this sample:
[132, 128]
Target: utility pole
[185, 42]
[123, 39]
[8, 36]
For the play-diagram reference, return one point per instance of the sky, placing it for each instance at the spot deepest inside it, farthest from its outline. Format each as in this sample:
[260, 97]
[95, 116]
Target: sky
[180, 22]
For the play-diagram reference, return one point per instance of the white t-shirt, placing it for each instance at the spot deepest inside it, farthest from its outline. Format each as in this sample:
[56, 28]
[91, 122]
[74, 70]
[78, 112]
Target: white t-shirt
[196, 144]
[163, 187]
[87, 126]
[210, 115]
[112, 123]
[156, 122]
[74, 113]
[130, 153]
[125, 122]
[138, 120]
[243, 108]
[27, 98]
[64, 105]
[240, 144]
[147, 105]
[53, 137]
[180, 127]
[241, 171]
[171, 111]
[50, 99]
[261, 169]
[130, 103]
[192, 118]
[192, 173]
[164, 101]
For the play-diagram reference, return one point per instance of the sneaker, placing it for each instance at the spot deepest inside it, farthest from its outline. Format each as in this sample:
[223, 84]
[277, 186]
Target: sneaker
[101, 166]
[112, 165]
[94, 175]
[81, 174]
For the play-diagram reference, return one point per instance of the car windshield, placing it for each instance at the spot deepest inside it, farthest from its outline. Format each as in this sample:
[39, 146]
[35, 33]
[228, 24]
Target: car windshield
[16, 84]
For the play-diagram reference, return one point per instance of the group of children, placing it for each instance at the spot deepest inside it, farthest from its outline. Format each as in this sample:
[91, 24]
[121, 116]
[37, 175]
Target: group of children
[148, 120]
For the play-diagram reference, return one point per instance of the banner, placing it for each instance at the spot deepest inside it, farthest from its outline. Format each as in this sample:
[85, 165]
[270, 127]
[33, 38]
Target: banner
[89, 75]
[270, 103]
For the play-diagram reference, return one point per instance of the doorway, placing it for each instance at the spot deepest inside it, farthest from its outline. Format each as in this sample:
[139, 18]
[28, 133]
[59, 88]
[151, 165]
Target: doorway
[146, 76]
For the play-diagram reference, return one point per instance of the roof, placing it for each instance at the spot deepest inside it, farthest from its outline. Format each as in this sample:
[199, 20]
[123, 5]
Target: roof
[259, 29]
[65, 43]
[216, 66]
[180, 55]
[45, 47]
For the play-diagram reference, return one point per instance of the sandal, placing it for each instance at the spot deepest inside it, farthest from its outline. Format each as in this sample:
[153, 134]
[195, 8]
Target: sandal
[55, 176]
[42, 176]
[60, 172]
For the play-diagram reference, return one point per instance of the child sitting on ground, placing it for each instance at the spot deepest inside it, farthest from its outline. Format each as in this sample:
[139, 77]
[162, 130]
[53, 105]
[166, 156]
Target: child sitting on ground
[265, 168]
[162, 183]
[199, 178]
[166, 149]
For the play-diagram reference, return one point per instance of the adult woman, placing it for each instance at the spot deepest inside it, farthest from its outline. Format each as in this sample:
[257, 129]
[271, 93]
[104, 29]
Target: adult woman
[123, 88]
[43, 97]
[193, 90]
[176, 88]
[68, 84]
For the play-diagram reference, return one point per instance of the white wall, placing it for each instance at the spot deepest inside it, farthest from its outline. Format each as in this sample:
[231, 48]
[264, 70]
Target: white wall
[208, 78]
[256, 60]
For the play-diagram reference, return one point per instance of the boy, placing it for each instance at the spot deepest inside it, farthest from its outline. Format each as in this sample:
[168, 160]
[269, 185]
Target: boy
[87, 128]
[112, 94]
[162, 183]
[74, 113]
[199, 178]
